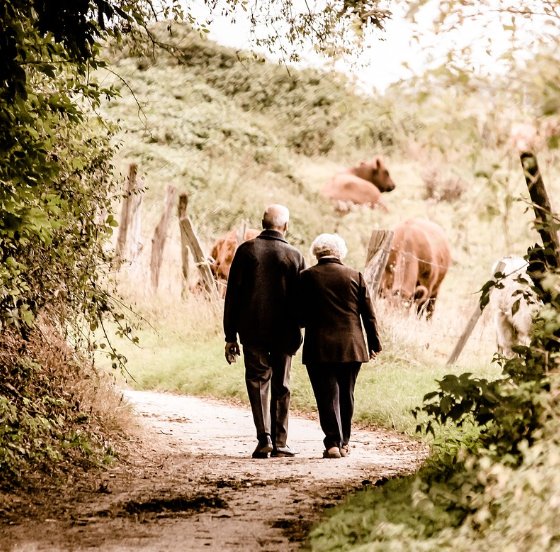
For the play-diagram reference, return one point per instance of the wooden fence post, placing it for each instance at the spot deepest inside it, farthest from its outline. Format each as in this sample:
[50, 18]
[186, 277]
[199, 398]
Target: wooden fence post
[189, 237]
[182, 213]
[541, 204]
[471, 323]
[242, 232]
[379, 248]
[134, 243]
[160, 235]
[128, 245]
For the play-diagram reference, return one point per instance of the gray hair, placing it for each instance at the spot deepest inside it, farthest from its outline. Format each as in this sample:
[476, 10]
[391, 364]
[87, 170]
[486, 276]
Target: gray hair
[275, 216]
[329, 244]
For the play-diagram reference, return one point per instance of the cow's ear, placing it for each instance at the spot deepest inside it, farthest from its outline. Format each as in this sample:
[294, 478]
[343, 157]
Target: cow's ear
[377, 163]
[362, 163]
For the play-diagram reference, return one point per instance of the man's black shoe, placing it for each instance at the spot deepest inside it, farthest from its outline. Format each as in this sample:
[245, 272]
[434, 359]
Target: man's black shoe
[263, 448]
[283, 452]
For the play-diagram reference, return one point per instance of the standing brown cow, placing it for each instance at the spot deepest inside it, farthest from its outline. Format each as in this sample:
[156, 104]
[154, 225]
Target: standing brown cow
[417, 264]
[222, 254]
[360, 185]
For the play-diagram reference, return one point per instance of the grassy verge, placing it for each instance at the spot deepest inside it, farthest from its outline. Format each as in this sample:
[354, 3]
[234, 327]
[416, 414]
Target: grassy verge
[182, 352]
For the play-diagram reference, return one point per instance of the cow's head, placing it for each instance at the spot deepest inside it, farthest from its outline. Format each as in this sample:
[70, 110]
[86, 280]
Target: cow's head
[375, 172]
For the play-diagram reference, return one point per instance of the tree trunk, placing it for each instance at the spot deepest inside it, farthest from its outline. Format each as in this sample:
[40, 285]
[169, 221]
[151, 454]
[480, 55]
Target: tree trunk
[541, 205]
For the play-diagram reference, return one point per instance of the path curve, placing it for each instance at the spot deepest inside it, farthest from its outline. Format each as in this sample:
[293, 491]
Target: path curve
[190, 485]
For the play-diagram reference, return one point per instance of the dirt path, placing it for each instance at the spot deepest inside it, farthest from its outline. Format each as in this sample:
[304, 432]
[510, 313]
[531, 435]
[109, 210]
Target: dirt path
[192, 485]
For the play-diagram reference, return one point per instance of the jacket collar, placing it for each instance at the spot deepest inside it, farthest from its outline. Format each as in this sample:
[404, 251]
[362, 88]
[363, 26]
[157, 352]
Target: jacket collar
[326, 260]
[272, 235]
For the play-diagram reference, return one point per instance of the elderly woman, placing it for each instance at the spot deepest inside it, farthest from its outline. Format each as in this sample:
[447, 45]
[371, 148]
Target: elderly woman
[335, 302]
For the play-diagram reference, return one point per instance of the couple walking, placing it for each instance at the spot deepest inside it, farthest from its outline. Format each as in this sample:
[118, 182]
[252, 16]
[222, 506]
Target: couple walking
[270, 296]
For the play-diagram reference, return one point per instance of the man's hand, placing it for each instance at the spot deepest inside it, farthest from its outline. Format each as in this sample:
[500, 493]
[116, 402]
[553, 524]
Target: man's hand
[372, 355]
[232, 351]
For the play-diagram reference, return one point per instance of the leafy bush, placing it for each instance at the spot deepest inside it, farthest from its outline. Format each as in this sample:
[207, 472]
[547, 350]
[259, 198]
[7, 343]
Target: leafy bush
[56, 191]
[54, 407]
[508, 410]
[315, 110]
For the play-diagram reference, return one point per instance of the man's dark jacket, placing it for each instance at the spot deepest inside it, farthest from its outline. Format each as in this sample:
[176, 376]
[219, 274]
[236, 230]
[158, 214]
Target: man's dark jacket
[261, 293]
[333, 299]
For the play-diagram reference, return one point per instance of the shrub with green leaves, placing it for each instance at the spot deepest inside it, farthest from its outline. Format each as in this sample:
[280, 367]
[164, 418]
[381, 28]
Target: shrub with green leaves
[488, 505]
[509, 410]
[56, 189]
[314, 112]
[55, 166]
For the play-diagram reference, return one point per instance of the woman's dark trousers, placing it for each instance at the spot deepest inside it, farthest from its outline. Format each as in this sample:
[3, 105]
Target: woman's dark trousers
[333, 385]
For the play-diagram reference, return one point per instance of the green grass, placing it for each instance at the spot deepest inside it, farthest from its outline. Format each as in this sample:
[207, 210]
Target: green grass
[183, 352]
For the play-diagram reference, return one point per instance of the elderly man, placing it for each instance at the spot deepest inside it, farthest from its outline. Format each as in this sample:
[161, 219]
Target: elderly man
[260, 306]
[334, 304]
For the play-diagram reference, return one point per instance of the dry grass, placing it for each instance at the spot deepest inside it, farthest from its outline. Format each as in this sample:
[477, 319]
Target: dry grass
[59, 412]
[448, 188]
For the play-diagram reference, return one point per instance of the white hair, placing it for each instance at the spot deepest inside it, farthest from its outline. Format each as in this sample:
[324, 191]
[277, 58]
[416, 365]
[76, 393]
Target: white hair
[275, 216]
[329, 244]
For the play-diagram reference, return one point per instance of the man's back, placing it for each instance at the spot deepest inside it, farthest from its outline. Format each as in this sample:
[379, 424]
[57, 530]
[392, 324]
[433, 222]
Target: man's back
[261, 293]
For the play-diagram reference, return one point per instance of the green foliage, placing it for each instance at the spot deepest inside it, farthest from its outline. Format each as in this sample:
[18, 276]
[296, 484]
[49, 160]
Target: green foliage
[48, 420]
[508, 410]
[485, 506]
[56, 191]
[54, 164]
[313, 109]
[402, 510]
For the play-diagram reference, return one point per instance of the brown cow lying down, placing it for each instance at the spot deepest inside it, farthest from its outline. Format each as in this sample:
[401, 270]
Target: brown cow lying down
[359, 185]
[222, 254]
[417, 264]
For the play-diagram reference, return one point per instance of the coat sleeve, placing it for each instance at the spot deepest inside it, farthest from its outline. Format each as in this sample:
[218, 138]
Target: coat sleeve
[232, 304]
[301, 306]
[368, 318]
[299, 295]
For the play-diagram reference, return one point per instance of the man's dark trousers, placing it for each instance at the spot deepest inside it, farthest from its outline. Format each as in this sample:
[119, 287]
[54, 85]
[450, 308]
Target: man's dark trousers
[333, 386]
[265, 369]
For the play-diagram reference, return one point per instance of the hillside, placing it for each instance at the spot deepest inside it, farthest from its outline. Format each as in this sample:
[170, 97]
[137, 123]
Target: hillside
[238, 133]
